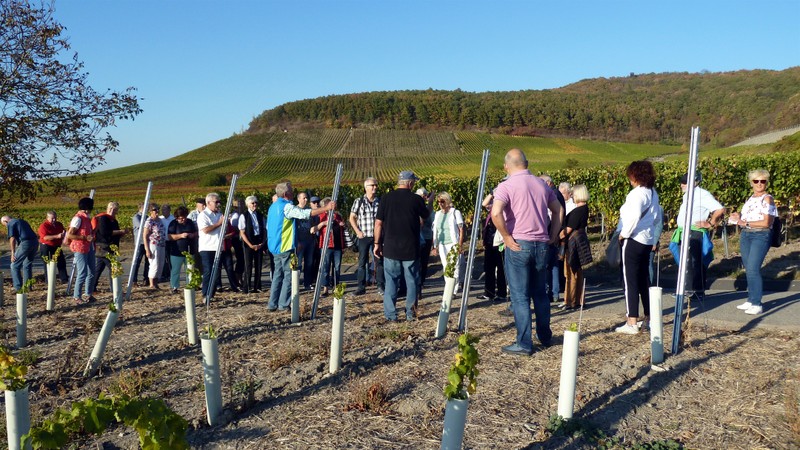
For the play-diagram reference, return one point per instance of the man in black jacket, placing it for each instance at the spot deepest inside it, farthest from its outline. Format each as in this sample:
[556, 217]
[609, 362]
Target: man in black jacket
[252, 230]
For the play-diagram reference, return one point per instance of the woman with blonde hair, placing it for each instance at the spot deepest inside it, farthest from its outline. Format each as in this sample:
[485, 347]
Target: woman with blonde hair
[575, 223]
[755, 221]
[448, 231]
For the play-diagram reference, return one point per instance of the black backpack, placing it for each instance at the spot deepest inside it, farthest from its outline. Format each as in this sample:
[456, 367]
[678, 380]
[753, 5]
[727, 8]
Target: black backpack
[777, 233]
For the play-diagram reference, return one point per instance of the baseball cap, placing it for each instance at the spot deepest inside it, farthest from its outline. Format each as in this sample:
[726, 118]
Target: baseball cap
[314, 199]
[697, 178]
[407, 175]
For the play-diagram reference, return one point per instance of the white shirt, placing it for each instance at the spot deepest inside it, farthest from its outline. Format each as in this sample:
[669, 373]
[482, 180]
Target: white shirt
[704, 205]
[166, 221]
[208, 242]
[570, 205]
[635, 225]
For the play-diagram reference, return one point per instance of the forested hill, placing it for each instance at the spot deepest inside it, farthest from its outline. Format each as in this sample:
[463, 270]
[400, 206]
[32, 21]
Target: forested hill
[639, 108]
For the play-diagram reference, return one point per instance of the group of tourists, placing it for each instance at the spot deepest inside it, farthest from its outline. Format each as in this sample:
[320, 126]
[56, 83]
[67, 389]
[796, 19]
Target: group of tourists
[534, 239]
[535, 230]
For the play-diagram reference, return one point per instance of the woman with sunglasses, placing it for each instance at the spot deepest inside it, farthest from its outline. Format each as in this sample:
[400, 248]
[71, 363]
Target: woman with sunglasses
[448, 231]
[755, 221]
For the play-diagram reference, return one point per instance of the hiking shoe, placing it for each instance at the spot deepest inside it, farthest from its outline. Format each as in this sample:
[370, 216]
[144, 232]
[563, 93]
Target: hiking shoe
[361, 291]
[745, 306]
[643, 325]
[627, 329]
[755, 309]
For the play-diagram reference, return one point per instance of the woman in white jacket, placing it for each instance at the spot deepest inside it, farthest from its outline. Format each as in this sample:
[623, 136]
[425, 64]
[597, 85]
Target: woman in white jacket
[448, 230]
[638, 217]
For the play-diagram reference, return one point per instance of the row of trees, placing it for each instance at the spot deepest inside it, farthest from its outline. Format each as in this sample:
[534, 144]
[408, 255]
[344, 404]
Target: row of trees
[645, 108]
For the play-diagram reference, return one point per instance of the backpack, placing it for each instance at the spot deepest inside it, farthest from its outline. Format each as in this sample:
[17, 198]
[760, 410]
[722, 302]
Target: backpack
[776, 239]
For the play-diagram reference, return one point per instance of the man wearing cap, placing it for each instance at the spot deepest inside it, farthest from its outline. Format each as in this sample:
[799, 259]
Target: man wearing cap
[362, 219]
[521, 212]
[706, 214]
[23, 241]
[397, 232]
[281, 233]
[306, 242]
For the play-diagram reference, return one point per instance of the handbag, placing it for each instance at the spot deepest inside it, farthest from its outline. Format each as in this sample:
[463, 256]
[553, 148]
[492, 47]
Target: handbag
[614, 251]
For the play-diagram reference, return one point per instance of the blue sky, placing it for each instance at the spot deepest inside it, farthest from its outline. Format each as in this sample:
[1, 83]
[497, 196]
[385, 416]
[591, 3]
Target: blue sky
[205, 68]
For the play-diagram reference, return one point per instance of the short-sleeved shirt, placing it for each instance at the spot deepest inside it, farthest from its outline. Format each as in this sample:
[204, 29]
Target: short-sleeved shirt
[366, 212]
[400, 212]
[183, 244]
[578, 218]
[703, 206]
[526, 199]
[208, 242]
[157, 234]
[21, 230]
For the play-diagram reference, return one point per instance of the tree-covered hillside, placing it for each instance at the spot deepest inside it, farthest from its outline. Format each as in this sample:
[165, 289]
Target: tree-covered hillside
[640, 108]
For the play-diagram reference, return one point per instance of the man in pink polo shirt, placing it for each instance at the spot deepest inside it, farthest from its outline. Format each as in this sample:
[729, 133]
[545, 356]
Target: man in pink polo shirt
[519, 212]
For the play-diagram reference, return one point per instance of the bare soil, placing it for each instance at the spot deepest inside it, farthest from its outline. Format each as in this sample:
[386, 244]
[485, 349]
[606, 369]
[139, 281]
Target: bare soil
[724, 389]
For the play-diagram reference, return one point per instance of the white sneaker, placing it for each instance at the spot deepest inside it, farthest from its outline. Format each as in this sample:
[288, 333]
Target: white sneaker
[458, 288]
[627, 329]
[758, 309]
[745, 305]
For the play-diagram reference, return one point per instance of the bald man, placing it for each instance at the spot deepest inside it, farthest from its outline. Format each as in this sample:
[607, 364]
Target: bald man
[520, 213]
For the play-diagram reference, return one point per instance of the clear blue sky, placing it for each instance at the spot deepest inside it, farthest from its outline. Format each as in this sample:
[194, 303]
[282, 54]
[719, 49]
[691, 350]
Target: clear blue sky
[205, 68]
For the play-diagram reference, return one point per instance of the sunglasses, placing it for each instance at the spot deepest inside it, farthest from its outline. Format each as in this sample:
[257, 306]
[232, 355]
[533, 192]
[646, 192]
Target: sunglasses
[759, 181]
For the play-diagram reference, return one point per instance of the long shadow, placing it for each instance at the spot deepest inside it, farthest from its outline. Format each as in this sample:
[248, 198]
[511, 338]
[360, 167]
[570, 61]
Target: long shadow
[352, 369]
[616, 403]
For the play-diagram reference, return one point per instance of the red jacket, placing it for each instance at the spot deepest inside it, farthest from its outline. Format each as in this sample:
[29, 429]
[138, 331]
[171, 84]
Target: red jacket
[333, 242]
[85, 230]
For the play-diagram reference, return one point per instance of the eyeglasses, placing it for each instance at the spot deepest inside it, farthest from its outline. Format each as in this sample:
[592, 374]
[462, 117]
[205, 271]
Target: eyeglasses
[372, 185]
[759, 181]
[442, 201]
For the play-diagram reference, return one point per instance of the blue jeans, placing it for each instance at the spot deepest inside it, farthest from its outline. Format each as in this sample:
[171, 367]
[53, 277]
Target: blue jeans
[526, 274]
[84, 268]
[280, 291]
[334, 255]
[553, 282]
[754, 246]
[22, 268]
[207, 259]
[393, 271]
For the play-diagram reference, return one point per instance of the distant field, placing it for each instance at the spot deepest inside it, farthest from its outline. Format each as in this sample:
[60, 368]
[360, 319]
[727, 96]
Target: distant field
[309, 157]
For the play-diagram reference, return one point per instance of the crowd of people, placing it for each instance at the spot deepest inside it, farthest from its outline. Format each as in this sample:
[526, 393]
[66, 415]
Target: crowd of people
[534, 238]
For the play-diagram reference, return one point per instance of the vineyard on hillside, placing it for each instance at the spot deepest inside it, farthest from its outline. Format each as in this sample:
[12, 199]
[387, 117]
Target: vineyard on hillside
[309, 157]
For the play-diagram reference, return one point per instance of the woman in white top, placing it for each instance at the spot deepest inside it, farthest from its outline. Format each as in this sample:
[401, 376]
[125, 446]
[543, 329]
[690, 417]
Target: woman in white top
[448, 230]
[638, 218]
[755, 220]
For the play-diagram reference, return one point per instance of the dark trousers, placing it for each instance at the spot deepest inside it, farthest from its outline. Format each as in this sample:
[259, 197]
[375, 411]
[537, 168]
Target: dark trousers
[696, 270]
[139, 257]
[100, 263]
[253, 259]
[365, 246]
[61, 262]
[494, 282]
[636, 276]
[424, 256]
[207, 257]
[238, 253]
[167, 271]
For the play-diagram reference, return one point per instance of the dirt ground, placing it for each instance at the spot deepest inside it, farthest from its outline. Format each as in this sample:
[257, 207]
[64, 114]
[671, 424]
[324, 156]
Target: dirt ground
[724, 389]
